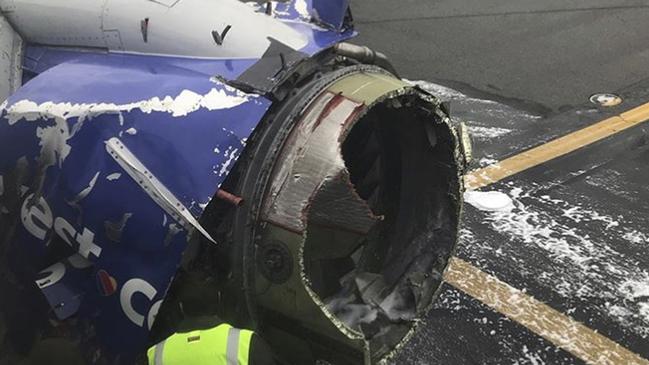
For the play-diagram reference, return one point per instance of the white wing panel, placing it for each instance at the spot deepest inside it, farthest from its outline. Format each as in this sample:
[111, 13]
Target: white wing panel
[57, 22]
[186, 28]
[189, 28]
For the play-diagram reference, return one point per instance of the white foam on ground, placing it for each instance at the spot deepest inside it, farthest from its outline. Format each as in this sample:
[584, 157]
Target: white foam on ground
[481, 132]
[582, 262]
[636, 237]
[486, 161]
[637, 288]
[529, 357]
[490, 201]
[440, 91]
[487, 120]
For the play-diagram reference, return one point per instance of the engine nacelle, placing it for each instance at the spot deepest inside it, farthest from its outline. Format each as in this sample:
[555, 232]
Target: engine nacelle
[251, 145]
[353, 193]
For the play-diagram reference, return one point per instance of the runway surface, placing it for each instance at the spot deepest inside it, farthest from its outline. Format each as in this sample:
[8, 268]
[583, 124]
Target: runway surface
[569, 234]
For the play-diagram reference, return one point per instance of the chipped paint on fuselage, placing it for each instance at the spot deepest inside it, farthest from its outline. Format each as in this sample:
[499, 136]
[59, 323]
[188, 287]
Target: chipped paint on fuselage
[184, 103]
[54, 139]
[64, 143]
[172, 114]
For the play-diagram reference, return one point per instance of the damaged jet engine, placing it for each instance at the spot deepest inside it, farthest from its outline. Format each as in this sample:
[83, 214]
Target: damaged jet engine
[244, 141]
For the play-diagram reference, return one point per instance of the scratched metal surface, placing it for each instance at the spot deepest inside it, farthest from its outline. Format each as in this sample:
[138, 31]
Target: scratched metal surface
[118, 155]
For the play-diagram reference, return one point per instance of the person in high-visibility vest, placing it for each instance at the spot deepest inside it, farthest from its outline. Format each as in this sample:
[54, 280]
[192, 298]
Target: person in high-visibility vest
[222, 344]
[204, 339]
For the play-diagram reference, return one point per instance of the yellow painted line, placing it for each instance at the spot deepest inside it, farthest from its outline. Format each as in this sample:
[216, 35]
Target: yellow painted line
[556, 327]
[559, 329]
[556, 148]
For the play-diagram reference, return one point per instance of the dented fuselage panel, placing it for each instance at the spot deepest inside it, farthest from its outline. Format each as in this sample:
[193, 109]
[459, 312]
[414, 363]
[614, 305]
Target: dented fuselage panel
[119, 183]
[130, 121]
[118, 141]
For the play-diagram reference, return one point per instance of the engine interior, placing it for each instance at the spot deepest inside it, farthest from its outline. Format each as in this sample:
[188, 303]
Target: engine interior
[400, 164]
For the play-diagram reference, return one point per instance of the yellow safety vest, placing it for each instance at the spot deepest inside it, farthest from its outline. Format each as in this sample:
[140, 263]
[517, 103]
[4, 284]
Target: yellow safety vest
[221, 345]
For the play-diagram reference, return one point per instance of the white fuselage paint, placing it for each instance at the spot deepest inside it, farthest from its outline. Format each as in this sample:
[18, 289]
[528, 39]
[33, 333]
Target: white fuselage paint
[175, 28]
[490, 201]
[54, 139]
[126, 294]
[181, 105]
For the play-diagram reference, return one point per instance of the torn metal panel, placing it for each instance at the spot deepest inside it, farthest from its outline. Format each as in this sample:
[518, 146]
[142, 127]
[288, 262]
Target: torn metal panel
[63, 285]
[334, 224]
[336, 204]
[271, 69]
[156, 190]
[278, 59]
[358, 218]
[114, 229]
[114, 25]
[311, 159]
[170, 123]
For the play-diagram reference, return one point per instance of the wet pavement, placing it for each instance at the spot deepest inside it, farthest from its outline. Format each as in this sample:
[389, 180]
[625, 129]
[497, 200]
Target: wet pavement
[576, 234]
[547, 56]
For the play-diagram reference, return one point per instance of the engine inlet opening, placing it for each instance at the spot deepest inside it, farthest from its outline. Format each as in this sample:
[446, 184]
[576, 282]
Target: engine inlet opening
[380, 234]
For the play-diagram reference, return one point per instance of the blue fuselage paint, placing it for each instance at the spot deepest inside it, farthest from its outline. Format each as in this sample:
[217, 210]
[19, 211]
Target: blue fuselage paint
[184, 126]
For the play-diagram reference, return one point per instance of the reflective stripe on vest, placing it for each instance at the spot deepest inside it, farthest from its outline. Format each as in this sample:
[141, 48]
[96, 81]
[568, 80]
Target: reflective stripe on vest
[221, 345]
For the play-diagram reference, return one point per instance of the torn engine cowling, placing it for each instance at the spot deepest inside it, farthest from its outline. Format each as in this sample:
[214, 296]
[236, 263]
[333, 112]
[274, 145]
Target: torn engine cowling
[352, 195]
[121, 156]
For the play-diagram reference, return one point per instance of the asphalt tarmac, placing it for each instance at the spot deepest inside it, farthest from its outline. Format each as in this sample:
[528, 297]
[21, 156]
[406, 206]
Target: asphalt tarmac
[550, 55]
[575, 237]
[520, 74]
